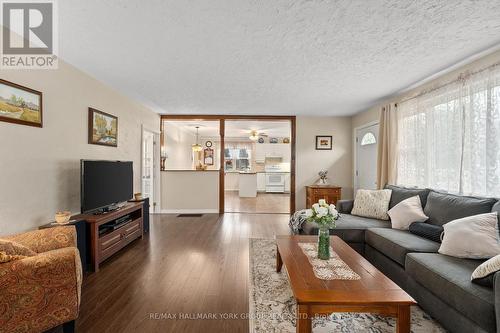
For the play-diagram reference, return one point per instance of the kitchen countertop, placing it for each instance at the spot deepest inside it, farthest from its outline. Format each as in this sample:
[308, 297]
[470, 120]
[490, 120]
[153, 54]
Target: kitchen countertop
[255, 171]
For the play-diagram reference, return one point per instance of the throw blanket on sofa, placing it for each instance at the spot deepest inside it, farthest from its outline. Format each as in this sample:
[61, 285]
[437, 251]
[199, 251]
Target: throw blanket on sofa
[296, 220]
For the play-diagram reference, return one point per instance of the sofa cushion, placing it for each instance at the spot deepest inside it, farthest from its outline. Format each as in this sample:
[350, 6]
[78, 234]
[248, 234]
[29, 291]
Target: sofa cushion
[395, 244]
[372, 204]
[345, 206]
[483, 274]
[426, 230]
[400, 193]
[443, 207]
[348, 227]
[449, 279]
[496, 208]
[472, 237]
[406, 212]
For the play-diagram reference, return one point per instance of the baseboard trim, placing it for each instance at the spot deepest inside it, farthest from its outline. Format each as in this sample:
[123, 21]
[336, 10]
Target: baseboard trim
[189, 211]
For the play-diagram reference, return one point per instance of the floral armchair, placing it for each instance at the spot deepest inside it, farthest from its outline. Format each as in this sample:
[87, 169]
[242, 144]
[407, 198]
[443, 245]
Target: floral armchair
[40, 280]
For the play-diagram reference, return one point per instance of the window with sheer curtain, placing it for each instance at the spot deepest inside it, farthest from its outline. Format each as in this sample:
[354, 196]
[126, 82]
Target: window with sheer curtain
[449, 138]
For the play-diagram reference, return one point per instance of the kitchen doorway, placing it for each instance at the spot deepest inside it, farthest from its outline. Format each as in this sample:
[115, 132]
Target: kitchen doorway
[257, 166]
[180, 191]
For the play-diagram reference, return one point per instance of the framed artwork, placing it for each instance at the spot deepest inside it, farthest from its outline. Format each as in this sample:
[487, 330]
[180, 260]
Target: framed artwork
[208, 156]
[20, 105]
[323, 142]
[103, 128]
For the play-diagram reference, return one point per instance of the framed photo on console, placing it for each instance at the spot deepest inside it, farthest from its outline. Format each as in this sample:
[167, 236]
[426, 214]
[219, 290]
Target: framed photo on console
[103, 128]
[323, 142]
[20, 105]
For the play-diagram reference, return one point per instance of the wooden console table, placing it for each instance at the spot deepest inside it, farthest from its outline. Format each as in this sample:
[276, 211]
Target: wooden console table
[331, 193]
[104, 245]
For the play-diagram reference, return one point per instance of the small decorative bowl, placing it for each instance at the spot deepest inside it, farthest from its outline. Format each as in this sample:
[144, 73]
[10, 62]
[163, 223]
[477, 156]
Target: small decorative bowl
[138, 196]
[63, 217]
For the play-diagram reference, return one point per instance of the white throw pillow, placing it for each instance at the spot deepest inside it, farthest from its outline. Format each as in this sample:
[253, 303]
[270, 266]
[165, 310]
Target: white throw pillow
[483, 274]
[372, 203]
[406, 212]
[474, 237]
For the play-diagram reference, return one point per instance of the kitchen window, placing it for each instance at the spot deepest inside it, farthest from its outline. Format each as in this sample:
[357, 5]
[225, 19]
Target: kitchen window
[238, 157]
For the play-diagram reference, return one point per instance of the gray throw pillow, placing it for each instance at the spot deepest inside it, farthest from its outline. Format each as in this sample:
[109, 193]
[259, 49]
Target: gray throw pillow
[426, 230]
[400, 193]
[444, 207]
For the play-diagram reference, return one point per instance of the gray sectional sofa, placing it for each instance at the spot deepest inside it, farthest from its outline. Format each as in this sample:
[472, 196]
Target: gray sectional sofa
[439, 283]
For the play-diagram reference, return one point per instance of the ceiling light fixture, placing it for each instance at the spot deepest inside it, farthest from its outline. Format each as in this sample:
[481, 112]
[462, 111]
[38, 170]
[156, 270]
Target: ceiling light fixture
[196, 146]
[254, 136]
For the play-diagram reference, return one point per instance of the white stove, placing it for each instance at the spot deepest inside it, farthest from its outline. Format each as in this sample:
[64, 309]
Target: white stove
[275, 179]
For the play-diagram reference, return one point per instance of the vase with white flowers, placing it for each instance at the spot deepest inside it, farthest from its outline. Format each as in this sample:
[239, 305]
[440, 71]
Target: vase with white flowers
[325, 216]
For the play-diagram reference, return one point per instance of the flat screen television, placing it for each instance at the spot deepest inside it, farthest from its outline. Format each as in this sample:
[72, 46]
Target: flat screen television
[104, 184]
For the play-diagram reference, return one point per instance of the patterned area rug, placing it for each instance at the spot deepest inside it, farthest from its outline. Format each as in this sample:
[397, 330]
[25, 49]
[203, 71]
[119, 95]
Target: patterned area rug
[272, 307]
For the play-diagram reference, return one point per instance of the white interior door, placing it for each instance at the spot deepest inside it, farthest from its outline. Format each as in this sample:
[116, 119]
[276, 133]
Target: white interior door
[148, 168]
[366, 157]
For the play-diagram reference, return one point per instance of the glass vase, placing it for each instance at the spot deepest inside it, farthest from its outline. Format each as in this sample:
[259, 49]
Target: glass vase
[324, 243]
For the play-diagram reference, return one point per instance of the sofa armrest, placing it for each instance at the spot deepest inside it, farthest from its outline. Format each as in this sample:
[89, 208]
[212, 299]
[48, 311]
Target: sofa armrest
[47, 239]
[345, 206]
[496, 290]
[40, 292]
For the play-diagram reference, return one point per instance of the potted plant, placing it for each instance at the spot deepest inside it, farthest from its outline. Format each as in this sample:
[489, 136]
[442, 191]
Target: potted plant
[325, 216]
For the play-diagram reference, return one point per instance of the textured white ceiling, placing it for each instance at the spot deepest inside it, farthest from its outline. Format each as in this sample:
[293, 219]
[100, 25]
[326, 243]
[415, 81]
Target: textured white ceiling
[332, 57]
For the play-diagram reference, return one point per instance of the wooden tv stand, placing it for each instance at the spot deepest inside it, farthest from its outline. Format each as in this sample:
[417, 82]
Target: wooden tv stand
[103, 245]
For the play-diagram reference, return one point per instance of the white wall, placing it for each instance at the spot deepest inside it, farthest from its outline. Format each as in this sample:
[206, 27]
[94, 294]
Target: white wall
[40, 167]
[178, 147]
[190, 191]
[310, 161]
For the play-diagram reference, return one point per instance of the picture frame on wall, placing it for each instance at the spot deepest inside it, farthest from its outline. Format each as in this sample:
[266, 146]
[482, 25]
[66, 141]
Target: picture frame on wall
[324, 142]
[20, 105]
[208, 156]
[103, 128]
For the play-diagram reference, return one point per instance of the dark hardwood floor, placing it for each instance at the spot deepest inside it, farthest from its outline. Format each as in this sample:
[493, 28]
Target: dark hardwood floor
[188, 266]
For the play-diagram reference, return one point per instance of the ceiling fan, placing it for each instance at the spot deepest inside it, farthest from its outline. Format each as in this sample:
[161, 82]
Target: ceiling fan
[255, 135]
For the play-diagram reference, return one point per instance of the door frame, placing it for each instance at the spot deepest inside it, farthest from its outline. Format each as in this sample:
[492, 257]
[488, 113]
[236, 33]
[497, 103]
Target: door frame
[156, 167]
[222, 122]
[355, 151]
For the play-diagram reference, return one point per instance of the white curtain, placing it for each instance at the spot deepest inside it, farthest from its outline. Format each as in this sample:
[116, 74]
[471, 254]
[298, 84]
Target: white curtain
[449, 138]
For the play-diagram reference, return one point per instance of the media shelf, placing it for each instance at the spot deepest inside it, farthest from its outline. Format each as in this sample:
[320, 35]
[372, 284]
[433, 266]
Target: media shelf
[110, 232]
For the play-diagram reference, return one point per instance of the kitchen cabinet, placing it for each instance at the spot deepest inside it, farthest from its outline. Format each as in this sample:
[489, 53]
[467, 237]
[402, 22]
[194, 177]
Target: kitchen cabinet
[261, 182]
[260, 153]
[280, 150]
[231, 181]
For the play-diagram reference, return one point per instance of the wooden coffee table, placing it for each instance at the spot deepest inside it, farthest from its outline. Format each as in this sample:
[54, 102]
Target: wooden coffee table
[373, 293]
